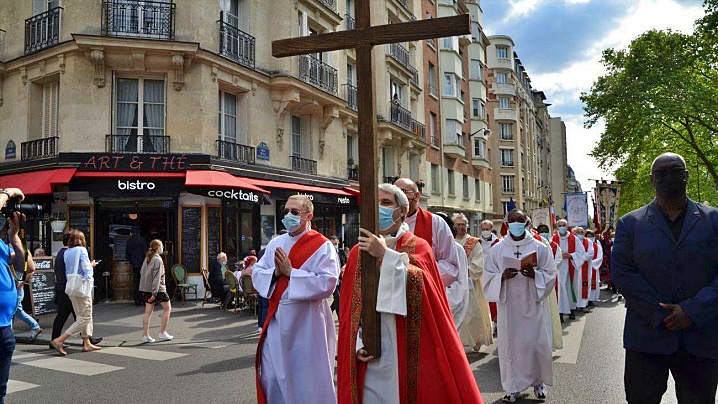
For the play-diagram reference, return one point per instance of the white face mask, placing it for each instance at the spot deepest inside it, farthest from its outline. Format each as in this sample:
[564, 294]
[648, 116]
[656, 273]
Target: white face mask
[160, 250]
[486, 234]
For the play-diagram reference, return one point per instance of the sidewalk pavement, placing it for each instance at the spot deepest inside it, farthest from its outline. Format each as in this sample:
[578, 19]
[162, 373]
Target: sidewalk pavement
[120, 324]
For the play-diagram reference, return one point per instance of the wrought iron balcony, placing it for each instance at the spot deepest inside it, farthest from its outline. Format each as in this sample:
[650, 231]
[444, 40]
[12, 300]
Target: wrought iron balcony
[38, 149]
[350, 94]
[419, 129]
[401, 55]
[353, 174]
[137, 144]
[235, 151]
[350, 21]
[42, 30]
[303, 165]
[235, 44]
[331, 4]
[138, 18]
[400, 116]
[318, 74]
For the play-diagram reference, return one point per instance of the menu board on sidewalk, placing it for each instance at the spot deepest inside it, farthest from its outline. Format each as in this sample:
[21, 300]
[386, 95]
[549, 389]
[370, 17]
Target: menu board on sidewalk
[191, 233]
[80, 218]
[214, 230]
[42, 287]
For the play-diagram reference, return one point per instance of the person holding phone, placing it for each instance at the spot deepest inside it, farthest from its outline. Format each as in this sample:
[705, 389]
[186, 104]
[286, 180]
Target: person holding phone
[153, 290]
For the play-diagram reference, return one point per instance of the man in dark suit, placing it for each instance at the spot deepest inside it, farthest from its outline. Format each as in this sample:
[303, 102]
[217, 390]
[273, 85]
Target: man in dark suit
[664, 262]
[135, 252]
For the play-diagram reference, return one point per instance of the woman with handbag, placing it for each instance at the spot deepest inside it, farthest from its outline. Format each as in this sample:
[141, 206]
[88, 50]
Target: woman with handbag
[153, 290]
[79, 272]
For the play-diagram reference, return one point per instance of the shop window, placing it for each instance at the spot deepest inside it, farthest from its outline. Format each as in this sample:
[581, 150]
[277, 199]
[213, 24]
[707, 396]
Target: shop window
[139, 116]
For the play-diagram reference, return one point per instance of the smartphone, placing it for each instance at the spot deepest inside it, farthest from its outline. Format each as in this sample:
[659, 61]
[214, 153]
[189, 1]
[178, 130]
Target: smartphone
[98, 261]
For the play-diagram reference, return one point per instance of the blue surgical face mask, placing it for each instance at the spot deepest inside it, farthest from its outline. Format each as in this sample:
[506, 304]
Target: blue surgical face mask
[562, 230]
[517, 228]
[291, 222]
[386, 217]
[580, 237]
[544, 235]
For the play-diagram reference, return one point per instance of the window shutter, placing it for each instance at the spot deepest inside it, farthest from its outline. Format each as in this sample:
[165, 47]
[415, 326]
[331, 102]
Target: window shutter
[49, 109]
[303, 24]
[38, 6]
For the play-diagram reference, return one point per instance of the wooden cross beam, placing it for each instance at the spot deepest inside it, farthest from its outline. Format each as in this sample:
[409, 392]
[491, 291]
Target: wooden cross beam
[363, 38]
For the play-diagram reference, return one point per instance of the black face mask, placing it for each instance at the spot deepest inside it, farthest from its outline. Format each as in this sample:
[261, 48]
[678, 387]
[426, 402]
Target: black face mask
[670, 183]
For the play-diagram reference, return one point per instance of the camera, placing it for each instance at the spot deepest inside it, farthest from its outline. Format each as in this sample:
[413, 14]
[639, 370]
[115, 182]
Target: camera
[30, 210]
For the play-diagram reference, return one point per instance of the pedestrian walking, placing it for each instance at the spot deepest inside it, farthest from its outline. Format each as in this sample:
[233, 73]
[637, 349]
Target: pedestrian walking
[153, 290]
[77, 260]
[664, 263]
[22, 277]
[135, 253]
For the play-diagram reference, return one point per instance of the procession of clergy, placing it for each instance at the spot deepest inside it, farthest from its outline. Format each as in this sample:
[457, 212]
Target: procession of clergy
[439, 290]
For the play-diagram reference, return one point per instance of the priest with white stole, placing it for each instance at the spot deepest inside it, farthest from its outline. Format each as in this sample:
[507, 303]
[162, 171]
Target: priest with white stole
[297, 273]
[519, 275]
[550, 309]
[458, 292]
[596, 262]
[573, 256]
[582, 277]
[434, 230]
[476, 328]
[488, 238]
[422, 359]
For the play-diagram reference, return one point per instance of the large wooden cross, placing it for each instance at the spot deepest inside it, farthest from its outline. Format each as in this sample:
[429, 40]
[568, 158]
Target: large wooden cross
[363, 39]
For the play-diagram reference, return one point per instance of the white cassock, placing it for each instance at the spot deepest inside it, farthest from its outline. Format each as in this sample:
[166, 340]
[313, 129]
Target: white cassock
[566, 290]
[458, 292]
[594, 294]
[578, 277]
[476, 328]
[442, 243]
[300, 345]
[550, 306]
[525, 357]
[486, 244]
[381, 382]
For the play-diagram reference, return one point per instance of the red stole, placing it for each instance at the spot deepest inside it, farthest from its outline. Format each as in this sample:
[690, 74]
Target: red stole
[554, 247]
[424, 225]
[585, 274]
[571, 250]
[595, 255]
[495, 241]
[304, 248]
[432, 363]
[470, 244]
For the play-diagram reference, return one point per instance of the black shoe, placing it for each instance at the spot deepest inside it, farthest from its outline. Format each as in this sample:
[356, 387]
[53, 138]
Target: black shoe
[95, 341]
[561, 317]
[590, 304]
[572, 316]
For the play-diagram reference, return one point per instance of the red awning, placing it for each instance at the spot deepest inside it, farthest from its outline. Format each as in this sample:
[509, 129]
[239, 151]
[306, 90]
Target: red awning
[37, 182]
[130, 174]
[297, 187]
[211, 178]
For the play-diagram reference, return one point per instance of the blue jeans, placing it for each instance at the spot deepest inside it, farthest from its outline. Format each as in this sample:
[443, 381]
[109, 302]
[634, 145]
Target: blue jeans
[263, 310]
[20, 312]
[7, 346]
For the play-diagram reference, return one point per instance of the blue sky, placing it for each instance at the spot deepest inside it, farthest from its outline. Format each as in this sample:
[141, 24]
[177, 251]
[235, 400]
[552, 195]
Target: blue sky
[560, 44]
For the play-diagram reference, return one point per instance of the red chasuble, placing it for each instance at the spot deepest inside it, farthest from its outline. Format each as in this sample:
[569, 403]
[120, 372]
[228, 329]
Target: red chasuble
[424, 225]
[470, 244]
[585, 273]
[432, 363]
[571, 250]
[304, 248]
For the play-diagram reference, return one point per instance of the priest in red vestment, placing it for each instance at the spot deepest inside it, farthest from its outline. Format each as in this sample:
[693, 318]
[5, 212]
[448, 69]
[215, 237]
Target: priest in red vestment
[422, 358]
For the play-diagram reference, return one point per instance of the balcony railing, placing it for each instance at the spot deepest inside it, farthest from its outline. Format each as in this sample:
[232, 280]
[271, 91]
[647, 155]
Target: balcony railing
[414, 76]
[351, 23]
[400, 116]
[419, 129]
[318, 74]
[433, 91]
[353, 174]
[235, 151]
[138, 18]
[400, 54]
[137, 144]
[350, 94]
[331, 4]
[435, 140]
[303, 165]
[38, 149]
[235, 44]
[42, 30]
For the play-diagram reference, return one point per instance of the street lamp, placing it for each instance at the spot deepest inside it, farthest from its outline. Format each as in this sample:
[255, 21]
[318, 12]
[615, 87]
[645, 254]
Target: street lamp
[487, 132]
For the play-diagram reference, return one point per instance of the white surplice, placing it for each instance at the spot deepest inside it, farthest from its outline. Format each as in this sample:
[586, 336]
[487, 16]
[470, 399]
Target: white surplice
[476, 329]
[486, 244]
[566, 290]
[524, 353]
[582, 302]
[458, 292]
[442, 243]
[594, 294]
[550, 306]
[300, 345]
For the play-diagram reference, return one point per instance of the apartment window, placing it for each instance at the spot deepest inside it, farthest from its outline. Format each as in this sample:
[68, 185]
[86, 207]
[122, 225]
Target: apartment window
[50, 97]
[476, 70]
[432, 79]
[507, 184]
[502, 52]
[450, 86]
[477, 190]
[505, 206]
[227, 123]
[504, 102]
[296, 136]
[507, 157]
[450, 42]
[435, 178]
[478, 108]
[465, 184]
[501, 77]
[450, 182]
[351, 74]
[140, 116]
[475, 31]
[453, 132]
[480, 148]
[505, 130]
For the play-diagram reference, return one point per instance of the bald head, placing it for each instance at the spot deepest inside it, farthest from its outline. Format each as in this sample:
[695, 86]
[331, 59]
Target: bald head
[666, 158]
[669, 178]
[411, 191]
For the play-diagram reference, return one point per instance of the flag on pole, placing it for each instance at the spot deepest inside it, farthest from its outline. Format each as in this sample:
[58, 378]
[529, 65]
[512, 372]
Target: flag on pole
[505, 225]
[553, 212]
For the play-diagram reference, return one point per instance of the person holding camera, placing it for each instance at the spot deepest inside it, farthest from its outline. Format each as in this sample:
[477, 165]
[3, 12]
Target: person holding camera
[8, 288]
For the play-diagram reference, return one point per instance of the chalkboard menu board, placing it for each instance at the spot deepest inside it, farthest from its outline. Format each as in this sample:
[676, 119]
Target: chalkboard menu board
[214, 224]
[42, 288]
[191, 232]
[119, 246]
[80, 218]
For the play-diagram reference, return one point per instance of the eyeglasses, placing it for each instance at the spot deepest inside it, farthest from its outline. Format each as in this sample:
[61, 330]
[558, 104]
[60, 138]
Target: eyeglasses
[407, 192]
[460, 225]
[294, 211]
[673, 172]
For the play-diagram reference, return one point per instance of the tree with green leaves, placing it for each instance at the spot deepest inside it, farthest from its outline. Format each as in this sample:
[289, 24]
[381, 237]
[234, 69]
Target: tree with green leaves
[659, 94]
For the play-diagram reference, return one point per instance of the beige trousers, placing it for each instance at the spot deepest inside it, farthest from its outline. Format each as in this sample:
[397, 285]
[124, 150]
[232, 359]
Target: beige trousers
[83, 310]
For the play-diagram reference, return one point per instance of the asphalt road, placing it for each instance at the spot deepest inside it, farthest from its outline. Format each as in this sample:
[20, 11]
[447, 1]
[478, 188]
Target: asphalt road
[218, 367]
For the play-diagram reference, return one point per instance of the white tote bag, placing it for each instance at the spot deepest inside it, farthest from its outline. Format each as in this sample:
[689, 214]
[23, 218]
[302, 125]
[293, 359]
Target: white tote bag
[77, 285]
